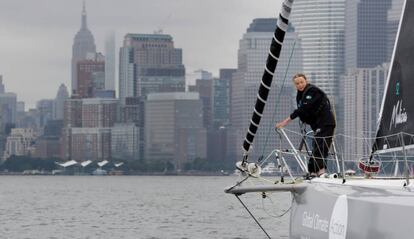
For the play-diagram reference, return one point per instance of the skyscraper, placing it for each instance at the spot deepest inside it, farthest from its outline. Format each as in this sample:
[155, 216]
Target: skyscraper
[394, 15]
[204, 87]
[110, 61]
[253, 50]
[45, 111]
[59, 104]
[321, 26]
[174, 128]
[150, 63]
[99, 112]
[91, 75]
[221, 97]
[1, 85]
[83, 44]
[8, 107]
[366, 33]
[370, 26]
[363, 93]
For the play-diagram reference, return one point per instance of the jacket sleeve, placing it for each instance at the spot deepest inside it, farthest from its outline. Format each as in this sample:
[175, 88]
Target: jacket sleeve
[311, 101]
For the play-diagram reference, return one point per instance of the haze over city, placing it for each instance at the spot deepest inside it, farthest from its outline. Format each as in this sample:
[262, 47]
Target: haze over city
[143, 119]
[39, 35]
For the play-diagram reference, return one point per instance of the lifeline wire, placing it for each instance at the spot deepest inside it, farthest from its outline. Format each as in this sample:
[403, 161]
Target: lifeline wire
[275, 216]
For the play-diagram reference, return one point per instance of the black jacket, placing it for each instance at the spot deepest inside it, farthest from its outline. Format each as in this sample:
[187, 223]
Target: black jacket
[314, 108]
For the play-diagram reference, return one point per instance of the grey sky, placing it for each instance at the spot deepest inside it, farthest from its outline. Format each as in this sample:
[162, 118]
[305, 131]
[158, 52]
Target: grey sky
[36, 36]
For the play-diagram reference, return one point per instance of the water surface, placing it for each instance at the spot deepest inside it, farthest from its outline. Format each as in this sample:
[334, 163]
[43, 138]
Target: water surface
[134, 207]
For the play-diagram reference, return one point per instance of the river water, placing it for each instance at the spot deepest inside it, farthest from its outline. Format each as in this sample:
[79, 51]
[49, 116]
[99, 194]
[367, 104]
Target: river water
[134, 207]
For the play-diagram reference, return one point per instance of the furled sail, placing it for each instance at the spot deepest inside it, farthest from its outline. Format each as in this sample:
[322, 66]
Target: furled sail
[270, 67]
[396, 124]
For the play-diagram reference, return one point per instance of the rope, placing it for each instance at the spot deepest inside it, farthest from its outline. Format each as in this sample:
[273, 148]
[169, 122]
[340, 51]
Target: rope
[275, 216]
[241, 181]
[254, 218]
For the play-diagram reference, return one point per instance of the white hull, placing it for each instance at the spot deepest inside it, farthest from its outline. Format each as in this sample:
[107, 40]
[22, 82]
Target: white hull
[359, 208]
[356, 209]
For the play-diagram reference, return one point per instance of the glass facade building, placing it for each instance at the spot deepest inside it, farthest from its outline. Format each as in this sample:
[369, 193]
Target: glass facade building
[149, 63]
[321, 26]
[252, 54]
[363, 93]
[366, 33]
[174, 128]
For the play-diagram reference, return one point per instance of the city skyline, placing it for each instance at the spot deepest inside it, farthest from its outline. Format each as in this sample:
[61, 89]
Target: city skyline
[41, 38]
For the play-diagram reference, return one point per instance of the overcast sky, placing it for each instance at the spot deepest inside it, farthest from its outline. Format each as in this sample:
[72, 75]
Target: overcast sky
[36, 36]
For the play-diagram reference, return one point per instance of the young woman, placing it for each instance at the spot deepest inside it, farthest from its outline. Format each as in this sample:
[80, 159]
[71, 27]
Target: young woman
[314, 109]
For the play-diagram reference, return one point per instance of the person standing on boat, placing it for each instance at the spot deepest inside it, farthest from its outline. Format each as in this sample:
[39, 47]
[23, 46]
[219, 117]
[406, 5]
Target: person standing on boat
[314, 109]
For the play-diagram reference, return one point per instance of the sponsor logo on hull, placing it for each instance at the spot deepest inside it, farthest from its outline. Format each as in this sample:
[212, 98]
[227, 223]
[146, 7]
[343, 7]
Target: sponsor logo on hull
[336, 227]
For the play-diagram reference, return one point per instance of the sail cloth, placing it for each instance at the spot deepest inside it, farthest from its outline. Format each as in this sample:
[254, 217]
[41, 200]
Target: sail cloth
[270, 67]
[396, 124]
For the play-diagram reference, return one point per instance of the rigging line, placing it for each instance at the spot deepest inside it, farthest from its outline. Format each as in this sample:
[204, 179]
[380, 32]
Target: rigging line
[278, 98]
[254, 218]
[282, 87]
[238, 183]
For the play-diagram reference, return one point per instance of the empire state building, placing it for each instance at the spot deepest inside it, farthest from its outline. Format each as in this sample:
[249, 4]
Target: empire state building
[83, 44]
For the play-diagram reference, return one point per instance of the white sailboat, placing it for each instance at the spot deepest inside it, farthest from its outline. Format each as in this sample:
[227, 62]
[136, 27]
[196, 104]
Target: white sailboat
[340, 206]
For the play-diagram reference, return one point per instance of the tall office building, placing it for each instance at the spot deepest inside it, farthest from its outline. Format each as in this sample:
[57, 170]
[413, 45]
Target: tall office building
[366, 33]
[72, 115]
[149, 63]
[1, 85]
[72, 118]
[132, 112]
[8, 106]
[370, 26]
[91, 75]
[45, 111]
[8, 116]
[174, 128]
[110, 61]
[252, 54]
[87, 128]
[90, 113]
[125, 141]
[321, 26]
[204, 87]
[99, 112]
[59, 104]
[221, 97]
[49, 145]
[363, 93]
[90, 144]
[83, 44]
[394, 16]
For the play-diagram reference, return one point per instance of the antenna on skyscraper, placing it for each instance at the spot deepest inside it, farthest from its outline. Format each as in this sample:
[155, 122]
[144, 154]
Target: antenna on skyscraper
[159, 31]
[162, 26]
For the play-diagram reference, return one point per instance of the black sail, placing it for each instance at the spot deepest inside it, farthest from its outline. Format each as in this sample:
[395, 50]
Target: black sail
[270, 67]
[397, 111]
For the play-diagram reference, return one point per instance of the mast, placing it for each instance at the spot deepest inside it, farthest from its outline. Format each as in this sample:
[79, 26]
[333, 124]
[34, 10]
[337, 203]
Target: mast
[269, 71]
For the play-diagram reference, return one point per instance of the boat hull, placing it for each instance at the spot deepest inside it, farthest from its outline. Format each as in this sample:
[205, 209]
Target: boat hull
[341, 211]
